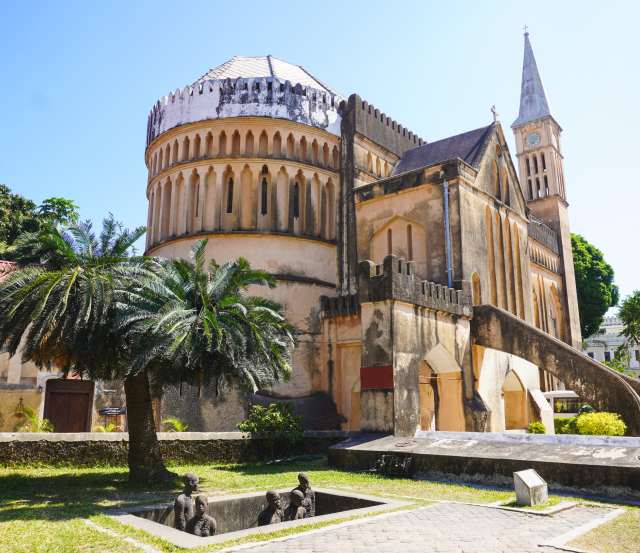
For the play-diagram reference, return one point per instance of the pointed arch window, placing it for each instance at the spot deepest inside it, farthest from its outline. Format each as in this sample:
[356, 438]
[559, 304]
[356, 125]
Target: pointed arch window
[530, 189]
[389, 242]
[264, 192]
[544, 161]
[546, 186]
[296, 200]
[409, 242]
[528, 167]
[230, 195]
[538, 188]
[535, 163]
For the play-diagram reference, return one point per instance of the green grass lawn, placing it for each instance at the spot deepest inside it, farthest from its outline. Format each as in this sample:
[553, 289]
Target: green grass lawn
[43, 509]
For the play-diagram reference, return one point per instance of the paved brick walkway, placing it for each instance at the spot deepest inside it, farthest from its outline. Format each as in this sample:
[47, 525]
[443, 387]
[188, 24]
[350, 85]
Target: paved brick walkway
[441, 528]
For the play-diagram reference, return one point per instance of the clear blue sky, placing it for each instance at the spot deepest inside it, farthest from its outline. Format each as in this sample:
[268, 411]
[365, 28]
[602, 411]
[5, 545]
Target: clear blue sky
[78, 80]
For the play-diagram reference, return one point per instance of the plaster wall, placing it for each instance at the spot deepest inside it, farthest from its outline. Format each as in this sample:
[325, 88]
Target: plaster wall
[507, 384]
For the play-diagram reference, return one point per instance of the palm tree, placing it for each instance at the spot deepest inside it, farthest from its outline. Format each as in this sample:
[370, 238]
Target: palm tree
[60, 308]
[195, 322]
[629, 313]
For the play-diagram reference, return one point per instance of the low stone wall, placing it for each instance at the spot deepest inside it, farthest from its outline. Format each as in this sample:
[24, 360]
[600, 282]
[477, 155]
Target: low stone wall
[110, 448]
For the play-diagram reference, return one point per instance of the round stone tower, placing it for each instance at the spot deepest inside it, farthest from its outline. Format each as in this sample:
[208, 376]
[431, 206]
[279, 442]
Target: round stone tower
[248, 157]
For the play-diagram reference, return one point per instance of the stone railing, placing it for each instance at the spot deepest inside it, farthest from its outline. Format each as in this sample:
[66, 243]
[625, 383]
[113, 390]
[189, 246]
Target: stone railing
[396, 279]
[543, 234]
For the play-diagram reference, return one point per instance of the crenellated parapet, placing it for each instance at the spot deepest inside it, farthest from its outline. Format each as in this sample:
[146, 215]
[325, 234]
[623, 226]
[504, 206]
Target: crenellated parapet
[340, 306]
[396, 279]
[378, 127]
[243, 97]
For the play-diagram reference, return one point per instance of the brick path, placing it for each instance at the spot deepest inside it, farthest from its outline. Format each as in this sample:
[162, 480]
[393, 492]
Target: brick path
[441, 528]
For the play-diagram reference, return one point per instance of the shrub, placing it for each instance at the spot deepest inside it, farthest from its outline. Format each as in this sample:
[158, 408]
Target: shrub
[537, 427]
[601, 424]
[565, 425]
[586, 408]
[29, 421]
[276, 424]
[173, 424]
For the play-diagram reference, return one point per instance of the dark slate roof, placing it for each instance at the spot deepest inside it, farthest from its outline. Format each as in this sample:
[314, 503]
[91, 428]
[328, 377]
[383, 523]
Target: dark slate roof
[467, 146]
[533, 101]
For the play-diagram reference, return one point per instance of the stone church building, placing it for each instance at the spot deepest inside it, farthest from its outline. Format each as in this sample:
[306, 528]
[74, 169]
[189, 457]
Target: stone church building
[382, 243]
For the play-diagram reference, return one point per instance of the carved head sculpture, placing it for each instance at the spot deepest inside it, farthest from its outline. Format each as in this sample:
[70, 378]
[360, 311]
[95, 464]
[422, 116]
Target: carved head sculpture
[202, 506]
[273, 499]
[304, 481]
[190, 483]
[297, 497]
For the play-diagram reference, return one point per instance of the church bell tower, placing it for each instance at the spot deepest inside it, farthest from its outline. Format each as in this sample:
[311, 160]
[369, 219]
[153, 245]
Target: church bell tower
[541, 172]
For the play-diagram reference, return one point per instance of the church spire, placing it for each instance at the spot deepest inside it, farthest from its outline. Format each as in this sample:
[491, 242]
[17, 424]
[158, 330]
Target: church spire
[533, 101]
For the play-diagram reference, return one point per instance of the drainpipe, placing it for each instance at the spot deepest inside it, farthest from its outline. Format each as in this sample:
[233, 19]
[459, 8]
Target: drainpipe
[447, 233]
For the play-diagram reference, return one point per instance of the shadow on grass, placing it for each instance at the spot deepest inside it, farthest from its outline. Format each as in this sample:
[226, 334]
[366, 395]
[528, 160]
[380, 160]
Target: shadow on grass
[63, 495]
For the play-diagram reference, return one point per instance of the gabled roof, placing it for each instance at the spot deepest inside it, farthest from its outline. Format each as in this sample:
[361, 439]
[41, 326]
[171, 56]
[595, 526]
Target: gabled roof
[467, 146]
[533, 101]
[264, 66]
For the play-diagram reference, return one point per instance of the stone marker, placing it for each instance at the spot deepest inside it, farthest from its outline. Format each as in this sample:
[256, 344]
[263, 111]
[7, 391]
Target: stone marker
[531, 489]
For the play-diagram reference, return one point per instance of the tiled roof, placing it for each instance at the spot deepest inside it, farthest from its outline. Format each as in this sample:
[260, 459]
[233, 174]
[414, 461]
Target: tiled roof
[264, 66]
[467, 146]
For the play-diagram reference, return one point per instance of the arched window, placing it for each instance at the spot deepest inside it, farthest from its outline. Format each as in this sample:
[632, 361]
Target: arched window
[528, 167]
[296, 200]
[264, 194]
[336, 158]
[535, 163]
[185, 148]
[495, 180]
[325, 155]
[369, 163]
[530, 189]
[230, 195]
[235, 144]
[209, 145]
[378, 167]
[174, 153]
[409, 243]
[167, 156]
[538, 188]
[222, 144]
[277, 145]
[389, 242]
[546, 186]
[196, 146]
[248, 148]
[544, 161]
[263, 144]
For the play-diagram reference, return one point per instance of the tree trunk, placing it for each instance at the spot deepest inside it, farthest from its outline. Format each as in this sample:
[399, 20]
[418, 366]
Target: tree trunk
[145, 459]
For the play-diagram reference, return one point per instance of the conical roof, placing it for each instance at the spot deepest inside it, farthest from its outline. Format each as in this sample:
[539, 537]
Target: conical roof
[265, 66]
[533, 101]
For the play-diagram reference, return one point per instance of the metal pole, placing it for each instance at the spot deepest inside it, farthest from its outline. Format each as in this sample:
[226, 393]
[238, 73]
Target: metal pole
[447, 234]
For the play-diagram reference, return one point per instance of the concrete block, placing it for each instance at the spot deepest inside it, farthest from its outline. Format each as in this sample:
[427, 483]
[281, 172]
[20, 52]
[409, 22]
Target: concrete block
[530, 488]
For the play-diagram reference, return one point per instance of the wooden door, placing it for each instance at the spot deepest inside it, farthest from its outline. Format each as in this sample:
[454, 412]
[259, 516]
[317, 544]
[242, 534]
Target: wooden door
[68, 403]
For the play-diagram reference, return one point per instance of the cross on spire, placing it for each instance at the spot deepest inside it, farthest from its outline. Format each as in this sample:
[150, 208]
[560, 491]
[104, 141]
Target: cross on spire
[526, 29]
[494, 113]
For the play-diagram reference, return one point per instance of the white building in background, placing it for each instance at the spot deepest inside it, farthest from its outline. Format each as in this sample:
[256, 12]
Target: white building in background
[602, 345]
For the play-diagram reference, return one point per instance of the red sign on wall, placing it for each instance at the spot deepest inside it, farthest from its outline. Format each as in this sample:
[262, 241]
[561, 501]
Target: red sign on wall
[376, 378]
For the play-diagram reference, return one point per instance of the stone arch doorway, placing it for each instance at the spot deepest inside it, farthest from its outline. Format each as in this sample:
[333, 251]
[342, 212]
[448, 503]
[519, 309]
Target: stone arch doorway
[515, 402]
[429, 399]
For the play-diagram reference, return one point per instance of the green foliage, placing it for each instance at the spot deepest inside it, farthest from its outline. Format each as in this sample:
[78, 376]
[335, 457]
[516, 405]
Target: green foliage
[276, 425]
[601, 424]
[537, 427]
[109, 427]
[629, 313]
[173, 424]
[194, 322]
[29, 421]
[585, 408]
[594, 281]
[621, 360]
[17, 215]
[591, 423]
[59, 211]
[63, 310]
[565, 425]
[277, 418]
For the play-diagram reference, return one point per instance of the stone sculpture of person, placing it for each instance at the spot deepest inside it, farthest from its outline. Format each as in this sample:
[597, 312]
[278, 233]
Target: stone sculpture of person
[183, 506]
[296, 509]
[272, 514]
[201, 523]
[309, 502]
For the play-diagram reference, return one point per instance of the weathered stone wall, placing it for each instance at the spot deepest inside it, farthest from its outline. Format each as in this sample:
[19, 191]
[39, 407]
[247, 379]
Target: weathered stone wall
[101, 449]
[596, 384]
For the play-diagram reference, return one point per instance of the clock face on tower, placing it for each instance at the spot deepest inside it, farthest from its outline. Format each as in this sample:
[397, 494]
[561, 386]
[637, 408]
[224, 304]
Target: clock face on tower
[533, 139]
